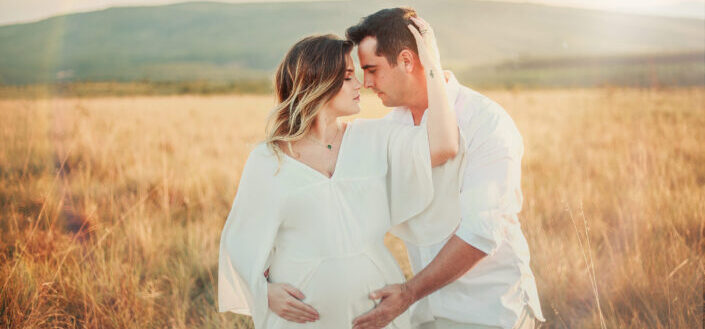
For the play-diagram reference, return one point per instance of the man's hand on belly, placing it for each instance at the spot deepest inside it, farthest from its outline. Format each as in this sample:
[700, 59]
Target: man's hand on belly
[285, 301]
[396, 298]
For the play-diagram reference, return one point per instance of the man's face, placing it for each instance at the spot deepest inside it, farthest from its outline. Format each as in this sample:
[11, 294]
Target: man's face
[389, 82]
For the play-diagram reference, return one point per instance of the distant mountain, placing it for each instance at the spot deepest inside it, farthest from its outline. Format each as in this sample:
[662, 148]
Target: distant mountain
[227, 42]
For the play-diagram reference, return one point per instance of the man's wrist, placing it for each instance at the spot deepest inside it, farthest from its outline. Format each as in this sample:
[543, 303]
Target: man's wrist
[410, 292]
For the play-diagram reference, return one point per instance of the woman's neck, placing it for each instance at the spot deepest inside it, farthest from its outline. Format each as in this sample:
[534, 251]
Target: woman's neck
[325, 128]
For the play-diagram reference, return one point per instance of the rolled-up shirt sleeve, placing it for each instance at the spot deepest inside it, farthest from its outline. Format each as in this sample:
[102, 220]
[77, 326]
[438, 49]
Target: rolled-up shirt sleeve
[491, 197]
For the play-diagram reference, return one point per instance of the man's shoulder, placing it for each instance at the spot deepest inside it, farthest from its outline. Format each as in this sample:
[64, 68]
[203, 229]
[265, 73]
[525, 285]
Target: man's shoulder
[482, 118]
[474, 107]
[472, 100]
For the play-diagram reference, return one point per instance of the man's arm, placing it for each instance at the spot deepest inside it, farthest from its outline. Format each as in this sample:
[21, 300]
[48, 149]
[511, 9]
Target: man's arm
[455, 259]
[491, 193]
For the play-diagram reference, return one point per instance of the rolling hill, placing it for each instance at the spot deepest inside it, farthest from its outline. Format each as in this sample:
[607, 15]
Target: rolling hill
[230, 42]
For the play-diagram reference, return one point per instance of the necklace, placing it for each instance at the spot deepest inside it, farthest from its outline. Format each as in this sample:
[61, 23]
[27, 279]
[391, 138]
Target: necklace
[329, 146]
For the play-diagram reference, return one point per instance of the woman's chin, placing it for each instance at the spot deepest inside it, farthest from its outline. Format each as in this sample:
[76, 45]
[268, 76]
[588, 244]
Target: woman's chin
[353, 110]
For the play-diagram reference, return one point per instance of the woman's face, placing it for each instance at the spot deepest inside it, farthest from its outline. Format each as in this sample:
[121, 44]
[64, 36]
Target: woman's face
[347, 100]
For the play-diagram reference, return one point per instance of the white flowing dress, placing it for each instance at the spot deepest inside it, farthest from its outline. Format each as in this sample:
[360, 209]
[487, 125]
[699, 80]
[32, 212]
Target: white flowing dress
[325, 235]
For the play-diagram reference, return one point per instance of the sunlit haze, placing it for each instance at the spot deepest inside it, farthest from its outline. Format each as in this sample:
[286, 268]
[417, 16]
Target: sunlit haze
[13, 11]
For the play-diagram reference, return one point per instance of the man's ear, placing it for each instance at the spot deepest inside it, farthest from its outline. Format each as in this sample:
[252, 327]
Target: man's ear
[407, 59]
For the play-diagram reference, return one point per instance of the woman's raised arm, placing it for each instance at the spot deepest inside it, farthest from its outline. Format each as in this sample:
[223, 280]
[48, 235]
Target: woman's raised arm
[441, 122]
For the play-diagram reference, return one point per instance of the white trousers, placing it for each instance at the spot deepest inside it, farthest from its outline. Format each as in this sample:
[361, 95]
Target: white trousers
[526, 321]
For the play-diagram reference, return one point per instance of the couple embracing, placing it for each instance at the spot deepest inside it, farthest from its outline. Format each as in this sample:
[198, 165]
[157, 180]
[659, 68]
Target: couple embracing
[303, 243]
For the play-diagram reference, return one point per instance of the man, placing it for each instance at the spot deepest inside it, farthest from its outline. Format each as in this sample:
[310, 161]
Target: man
[480, 276]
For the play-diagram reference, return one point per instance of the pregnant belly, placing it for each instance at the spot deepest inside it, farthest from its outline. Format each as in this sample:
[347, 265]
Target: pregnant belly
[338, 288]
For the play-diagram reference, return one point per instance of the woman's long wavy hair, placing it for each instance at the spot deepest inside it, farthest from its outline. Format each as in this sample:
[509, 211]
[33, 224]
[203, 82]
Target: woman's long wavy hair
[311, 73]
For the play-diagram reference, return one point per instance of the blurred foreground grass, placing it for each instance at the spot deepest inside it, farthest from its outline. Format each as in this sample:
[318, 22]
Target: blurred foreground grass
[111, 208]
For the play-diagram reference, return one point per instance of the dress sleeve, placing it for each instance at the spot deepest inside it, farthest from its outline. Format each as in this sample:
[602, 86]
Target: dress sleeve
[246, 241]
[424, 201]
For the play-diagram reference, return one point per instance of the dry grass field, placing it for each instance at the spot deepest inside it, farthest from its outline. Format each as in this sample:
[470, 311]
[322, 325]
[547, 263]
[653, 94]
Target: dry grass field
[111, 208]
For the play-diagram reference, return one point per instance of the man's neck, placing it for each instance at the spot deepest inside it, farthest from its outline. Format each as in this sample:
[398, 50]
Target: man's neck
[417, 115]
[419, 106]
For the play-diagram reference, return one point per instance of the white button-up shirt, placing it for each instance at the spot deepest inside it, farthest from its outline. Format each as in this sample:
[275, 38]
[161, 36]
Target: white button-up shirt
[495, 291]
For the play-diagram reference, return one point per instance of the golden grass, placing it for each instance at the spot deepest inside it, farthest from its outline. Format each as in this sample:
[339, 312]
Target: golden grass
[111, 208]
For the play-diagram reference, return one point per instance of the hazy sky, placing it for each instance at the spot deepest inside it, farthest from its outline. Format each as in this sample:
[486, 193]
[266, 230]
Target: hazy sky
[14, 11]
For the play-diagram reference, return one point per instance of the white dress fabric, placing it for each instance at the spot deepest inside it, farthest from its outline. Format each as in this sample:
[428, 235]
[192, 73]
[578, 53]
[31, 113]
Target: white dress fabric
[324, 235]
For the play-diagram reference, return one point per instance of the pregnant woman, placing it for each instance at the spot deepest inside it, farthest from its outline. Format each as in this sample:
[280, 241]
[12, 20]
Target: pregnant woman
[318, 195]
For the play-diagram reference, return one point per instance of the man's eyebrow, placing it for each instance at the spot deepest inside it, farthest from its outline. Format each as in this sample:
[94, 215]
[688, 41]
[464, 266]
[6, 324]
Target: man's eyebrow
[368, 67]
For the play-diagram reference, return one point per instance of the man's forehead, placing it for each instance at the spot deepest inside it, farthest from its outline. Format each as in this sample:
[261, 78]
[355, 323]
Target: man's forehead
[368, 45]
[367, 51]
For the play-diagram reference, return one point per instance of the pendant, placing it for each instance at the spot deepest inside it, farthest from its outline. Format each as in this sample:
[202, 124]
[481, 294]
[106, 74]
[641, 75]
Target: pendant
[330, 147]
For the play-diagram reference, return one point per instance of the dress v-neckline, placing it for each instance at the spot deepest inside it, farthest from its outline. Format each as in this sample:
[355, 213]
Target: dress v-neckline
[337, 160]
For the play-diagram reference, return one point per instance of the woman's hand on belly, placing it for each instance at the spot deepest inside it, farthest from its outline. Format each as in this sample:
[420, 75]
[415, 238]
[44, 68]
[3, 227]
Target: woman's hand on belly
[285, 301]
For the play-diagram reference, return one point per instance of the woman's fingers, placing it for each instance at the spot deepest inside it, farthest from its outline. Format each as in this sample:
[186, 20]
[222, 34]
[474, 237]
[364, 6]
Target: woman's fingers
[298, 314]
[284, 301]
[288, 316]
[421, 46]
[305, 309]
[298, 304]
[417, 35]
[294, 292]
[421, 22]
[422, 25]
[429, 36]
[425, 41]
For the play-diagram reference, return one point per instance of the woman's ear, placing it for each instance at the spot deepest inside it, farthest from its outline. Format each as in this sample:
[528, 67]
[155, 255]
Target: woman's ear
[407, 59]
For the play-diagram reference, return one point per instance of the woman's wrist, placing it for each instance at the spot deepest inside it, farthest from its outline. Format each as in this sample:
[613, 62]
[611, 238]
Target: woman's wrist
[434, 73]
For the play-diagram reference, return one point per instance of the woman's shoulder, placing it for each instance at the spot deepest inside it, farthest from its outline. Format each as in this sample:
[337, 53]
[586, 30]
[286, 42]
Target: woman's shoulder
[261, 149]
[262, 155]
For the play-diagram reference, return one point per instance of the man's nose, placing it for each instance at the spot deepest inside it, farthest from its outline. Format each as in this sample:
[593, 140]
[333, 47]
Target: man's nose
[368, 82]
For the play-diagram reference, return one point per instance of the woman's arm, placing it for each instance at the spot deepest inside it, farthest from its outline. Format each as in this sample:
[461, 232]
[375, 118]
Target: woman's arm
[441, 123]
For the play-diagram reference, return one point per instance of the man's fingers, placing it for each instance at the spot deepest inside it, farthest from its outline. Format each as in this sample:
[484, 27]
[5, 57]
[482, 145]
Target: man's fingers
[381, 293]
[367, 318]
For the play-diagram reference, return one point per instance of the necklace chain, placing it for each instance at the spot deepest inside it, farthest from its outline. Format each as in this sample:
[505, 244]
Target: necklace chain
[328, 146]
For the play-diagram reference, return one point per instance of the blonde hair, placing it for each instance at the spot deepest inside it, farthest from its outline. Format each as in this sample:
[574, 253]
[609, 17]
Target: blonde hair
[311, 73]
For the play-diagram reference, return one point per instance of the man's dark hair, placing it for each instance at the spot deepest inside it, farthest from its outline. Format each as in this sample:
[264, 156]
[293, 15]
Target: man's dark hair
[389, 26]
